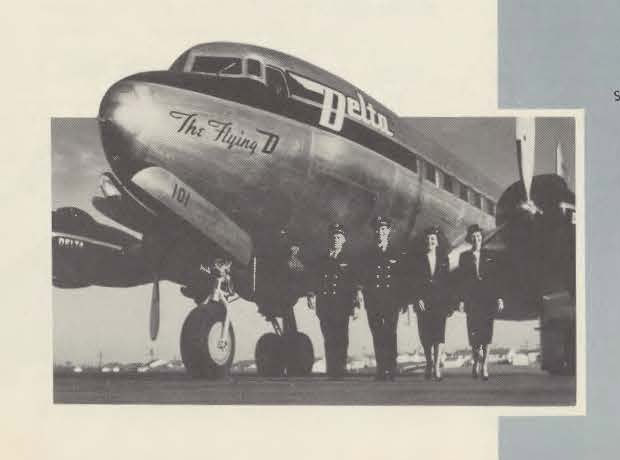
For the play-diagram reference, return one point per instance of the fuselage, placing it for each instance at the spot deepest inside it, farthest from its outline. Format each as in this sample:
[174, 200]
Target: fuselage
[278, 144]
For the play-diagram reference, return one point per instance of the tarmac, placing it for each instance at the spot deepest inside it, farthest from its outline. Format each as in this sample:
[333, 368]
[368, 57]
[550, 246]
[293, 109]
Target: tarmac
[507, 386]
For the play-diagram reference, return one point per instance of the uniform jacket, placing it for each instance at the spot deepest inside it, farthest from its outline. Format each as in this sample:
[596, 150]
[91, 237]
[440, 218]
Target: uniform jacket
[334, 282]
[432, 288]
[381, 276]
[477, 289]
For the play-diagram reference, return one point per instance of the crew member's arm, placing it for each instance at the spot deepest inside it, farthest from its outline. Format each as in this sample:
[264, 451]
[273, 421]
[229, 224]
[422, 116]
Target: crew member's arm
[357, 282]
[496, 286]
[311, 285]
[358, 302]
[311, 300]
[413, 287]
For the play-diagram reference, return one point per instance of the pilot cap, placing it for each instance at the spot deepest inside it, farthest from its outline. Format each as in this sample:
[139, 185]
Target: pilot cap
[434, 230]
[380, 221]
[471, 230]
[336, 228]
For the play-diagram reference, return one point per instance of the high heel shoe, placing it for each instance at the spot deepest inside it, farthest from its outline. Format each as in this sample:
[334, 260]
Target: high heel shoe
[485, 374]
[428, 372]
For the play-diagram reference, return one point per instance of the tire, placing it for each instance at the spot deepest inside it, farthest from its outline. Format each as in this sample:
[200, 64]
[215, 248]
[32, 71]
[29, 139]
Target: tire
[299, 354]
[199, 342]
[269, 355]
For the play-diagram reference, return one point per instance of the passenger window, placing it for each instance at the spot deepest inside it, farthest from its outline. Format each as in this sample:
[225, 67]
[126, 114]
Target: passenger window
[476, 199]
[412, 163]
[254, 67]
[464, 193]
[447, 183]
[490, 206]
[431, 173]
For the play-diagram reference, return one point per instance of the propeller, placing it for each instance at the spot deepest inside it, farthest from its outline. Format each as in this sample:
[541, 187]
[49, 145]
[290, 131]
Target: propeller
[526, 146]
[560, 165]
[154, 317]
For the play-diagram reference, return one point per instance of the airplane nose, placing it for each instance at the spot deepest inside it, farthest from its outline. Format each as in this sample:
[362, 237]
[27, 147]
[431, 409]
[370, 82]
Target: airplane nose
[121, 121]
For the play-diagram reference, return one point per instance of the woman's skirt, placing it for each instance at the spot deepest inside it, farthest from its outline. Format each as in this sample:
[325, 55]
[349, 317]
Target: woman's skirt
[432, 327]
[479, 327]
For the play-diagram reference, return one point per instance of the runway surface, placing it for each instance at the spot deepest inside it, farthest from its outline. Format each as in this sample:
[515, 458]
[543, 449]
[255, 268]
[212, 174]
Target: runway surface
[508, 386]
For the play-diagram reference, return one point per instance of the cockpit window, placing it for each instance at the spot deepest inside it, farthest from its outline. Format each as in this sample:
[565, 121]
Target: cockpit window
[217, 65]
[254, 67]
[276, 82]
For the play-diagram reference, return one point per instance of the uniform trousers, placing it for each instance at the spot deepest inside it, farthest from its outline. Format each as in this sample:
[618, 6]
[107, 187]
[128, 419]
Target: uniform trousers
[335, 329]
[383, 320]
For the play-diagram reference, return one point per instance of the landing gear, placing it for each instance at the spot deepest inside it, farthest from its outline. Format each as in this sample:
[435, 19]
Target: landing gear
[207, 345]
[287, 352]
[269, 355]
[299, 354]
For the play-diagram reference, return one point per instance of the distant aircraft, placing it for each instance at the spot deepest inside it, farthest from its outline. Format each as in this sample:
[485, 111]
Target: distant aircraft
[245, 154]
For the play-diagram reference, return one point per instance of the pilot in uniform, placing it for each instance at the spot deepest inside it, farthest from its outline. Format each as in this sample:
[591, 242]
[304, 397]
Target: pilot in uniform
[334, 294]
[380, 272]
[428, 272]
[478, 298]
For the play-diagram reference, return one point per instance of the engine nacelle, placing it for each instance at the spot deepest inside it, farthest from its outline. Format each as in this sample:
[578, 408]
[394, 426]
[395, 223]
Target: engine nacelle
[541, 244]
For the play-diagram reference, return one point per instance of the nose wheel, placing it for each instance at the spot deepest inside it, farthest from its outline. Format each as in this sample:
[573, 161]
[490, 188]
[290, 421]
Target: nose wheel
[207, 342]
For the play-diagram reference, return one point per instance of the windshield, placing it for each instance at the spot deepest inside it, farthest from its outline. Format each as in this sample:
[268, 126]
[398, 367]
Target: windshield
[217, 65]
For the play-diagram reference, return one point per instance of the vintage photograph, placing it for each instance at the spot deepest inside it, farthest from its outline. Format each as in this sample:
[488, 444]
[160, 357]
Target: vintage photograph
[248, 228]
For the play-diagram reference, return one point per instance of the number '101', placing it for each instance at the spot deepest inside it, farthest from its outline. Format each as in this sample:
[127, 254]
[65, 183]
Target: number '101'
[181, 195]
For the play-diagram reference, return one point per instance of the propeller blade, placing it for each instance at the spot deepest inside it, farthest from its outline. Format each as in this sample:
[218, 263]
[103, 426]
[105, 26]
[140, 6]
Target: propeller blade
[560, 165]
[526, 140]
[154, 317]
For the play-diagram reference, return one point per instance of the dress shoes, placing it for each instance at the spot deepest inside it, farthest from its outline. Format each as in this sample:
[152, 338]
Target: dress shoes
[474, 371]
[428, 373]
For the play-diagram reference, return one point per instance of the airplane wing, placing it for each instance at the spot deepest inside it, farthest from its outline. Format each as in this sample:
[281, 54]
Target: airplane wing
[85, 252]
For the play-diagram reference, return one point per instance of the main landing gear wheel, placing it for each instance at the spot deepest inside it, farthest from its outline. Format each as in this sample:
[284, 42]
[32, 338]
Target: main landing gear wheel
[299, 354]
[292, 352]
[205, 352]
[269, 355]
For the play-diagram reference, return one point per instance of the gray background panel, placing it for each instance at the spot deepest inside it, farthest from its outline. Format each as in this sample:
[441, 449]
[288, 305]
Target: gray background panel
[565, 54]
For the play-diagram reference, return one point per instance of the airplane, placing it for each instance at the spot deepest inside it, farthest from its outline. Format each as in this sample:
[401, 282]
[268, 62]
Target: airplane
[241, 156]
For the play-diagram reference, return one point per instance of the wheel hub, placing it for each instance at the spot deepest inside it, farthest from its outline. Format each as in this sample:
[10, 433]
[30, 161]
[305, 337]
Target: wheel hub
[219, 347]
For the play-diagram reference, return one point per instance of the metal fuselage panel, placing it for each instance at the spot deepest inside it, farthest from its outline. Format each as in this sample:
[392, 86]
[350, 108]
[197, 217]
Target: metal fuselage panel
[269, 172]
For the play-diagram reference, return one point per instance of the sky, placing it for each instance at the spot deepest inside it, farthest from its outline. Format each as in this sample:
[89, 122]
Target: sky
[114, 322]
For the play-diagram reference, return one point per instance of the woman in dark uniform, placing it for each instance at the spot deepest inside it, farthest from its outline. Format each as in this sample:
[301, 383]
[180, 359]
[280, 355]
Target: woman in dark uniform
[429, 271]
[478, 299]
